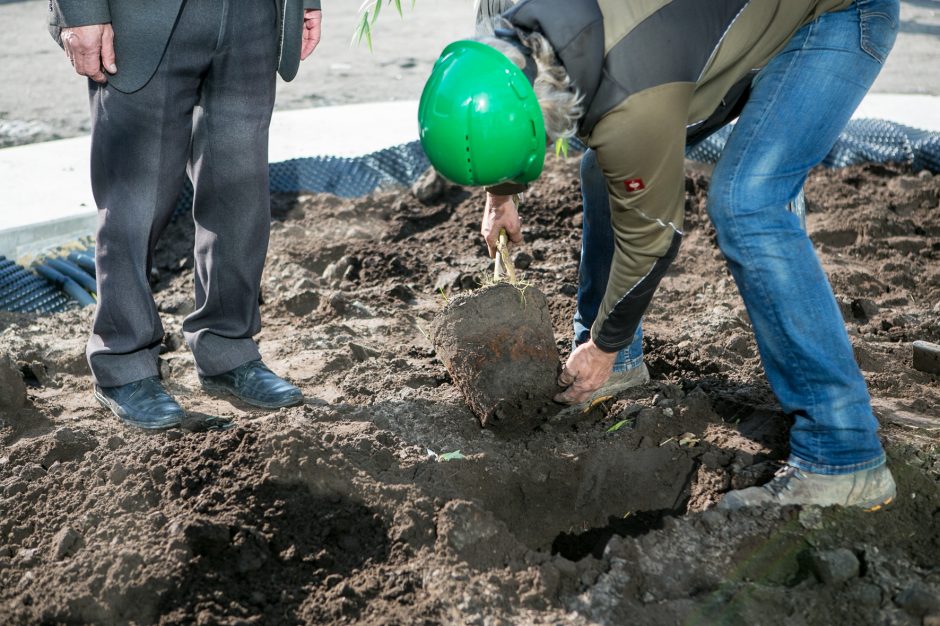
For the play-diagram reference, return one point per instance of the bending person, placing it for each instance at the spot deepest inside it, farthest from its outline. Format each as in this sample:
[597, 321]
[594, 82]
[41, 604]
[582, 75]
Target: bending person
[637, 83]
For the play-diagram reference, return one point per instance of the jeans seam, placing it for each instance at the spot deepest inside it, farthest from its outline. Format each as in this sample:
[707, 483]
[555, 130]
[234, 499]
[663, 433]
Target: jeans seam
[823, 468]
[744, 246]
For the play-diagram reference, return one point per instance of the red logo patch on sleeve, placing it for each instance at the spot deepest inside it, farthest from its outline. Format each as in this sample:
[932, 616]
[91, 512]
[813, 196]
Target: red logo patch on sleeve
[634, 184]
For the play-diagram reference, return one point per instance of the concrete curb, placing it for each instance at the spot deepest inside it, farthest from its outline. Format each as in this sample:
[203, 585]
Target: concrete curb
[47, 200]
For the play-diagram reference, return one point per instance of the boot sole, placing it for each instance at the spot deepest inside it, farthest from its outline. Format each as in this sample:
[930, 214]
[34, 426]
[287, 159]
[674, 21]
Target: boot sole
[878, 507]
[219, 391]
[169, 422]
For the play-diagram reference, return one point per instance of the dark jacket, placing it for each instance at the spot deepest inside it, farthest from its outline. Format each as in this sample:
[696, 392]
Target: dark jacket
[142, 29]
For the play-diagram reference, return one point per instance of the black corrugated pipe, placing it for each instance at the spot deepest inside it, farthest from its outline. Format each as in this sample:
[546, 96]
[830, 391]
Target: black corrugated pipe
[67, 285]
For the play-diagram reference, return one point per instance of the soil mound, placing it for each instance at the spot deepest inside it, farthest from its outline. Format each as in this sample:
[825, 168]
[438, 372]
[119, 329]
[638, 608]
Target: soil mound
[382, 501]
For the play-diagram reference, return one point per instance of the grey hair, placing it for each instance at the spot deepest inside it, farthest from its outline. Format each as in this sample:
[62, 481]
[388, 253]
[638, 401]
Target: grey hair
[557, 96]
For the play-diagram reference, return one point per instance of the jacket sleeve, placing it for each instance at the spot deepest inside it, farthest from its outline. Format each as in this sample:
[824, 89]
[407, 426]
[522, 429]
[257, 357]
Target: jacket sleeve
[507, 189]
[311, 4]
[641, 149]
[65, 13]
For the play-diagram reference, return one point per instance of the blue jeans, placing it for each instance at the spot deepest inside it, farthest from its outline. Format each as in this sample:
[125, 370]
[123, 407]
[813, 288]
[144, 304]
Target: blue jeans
[597, 252]
[798, 106]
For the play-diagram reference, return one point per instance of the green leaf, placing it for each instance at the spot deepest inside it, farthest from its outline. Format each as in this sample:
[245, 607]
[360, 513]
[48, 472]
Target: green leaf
[451, 456]
[618, 426]
[375, 14]
[398, 8]
[561, 147]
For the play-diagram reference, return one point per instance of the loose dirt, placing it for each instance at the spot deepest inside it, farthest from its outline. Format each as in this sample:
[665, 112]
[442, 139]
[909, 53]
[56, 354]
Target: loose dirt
[355, 508]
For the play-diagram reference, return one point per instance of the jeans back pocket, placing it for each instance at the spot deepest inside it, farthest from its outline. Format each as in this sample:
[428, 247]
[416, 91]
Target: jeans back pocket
[878, 23]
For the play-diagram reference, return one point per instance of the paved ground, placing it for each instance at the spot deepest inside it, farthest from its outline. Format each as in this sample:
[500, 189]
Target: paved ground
[42, 99]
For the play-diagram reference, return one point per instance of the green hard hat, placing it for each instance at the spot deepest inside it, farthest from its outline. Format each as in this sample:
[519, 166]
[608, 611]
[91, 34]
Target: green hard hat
[479, 120]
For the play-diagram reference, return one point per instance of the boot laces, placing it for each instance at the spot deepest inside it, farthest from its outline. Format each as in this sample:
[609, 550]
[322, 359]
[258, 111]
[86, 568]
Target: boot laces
[783, 480]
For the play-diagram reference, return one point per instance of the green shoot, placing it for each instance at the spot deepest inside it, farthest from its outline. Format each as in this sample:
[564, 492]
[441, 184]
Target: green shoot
[618, 425]
[456, 455]
[561, 147]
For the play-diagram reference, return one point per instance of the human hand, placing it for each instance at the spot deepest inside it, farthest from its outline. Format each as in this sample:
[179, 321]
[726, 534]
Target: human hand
[311, 35]
[587, 369]
[91, 50]
[500, 213]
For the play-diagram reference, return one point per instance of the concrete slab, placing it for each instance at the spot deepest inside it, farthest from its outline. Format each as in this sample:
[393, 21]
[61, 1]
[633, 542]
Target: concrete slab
[46, 193]
[47, 199]
[917, 111]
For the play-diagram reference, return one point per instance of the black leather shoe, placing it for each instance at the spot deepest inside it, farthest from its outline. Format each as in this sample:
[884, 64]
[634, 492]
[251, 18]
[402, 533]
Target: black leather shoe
[255, 384]
[144, 404]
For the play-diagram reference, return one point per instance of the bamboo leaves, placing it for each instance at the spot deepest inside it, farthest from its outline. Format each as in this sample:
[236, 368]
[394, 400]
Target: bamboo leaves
[368, 14]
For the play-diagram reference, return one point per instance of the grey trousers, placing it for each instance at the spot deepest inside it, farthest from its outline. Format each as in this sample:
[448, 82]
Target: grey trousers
[206, 111]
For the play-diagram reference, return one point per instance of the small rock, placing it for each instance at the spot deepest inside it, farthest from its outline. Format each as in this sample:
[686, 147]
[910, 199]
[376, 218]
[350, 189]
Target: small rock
[446, 281]
[476, 536]
[863, 308]
[65, 543]
[115, 442]
[713, 520]
[932, 620]
[28, 557]
[429, 187]
[568, 289]
[339, 303]
[362, 353]
[647, 419]
[918, 600]
[118, 473]
[927, 357]
[469, 281]
[565, 567]
[865, 594]
[835, 566]
[12, 387]
[811, 518]
[302, 303]
[402, 292]
[522, 260]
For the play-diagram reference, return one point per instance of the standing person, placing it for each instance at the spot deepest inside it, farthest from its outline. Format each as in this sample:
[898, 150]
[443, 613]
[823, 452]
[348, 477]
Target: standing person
[182, 85]
[639, 81]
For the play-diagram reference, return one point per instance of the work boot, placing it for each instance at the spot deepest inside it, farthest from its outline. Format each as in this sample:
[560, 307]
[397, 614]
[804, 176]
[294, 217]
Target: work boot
[144, 404]
[618, 381]
[869, 489]
[254, 384]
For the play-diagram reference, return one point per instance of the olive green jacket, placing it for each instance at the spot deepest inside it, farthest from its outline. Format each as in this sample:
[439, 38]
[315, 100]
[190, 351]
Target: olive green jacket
[654, 75]
[142, 29]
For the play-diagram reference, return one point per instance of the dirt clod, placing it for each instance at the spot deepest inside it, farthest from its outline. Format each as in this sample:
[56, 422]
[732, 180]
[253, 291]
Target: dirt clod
[12, 387]
[498, 345]
[835, 566]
